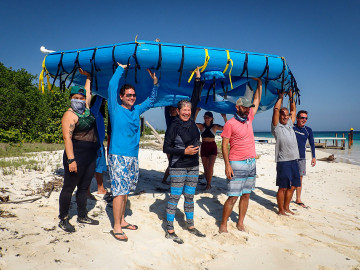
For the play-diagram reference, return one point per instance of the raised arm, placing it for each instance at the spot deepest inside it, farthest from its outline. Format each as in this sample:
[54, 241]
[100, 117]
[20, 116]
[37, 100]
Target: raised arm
[87, 86]
[276, 111]
[292, 107]
[220, 127]
[257, 95]
[195, 97]
[113, 86]
[149, 102]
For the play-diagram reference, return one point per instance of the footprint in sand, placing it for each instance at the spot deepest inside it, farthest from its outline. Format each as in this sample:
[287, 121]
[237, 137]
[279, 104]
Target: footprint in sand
[297, 253]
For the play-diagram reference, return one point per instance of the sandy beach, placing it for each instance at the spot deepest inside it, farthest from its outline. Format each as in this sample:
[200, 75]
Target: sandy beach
[325, 236]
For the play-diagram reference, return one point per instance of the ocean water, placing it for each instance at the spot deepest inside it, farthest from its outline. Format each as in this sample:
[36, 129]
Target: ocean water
[347, 156]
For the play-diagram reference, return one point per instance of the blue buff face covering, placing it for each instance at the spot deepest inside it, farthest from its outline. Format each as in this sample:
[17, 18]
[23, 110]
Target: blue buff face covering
[78, 105]
[239, 118]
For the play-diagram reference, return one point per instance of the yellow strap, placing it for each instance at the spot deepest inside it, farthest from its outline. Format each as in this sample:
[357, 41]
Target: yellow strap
[203, 67]
[232, 64]
[41, 77]
[229, 60]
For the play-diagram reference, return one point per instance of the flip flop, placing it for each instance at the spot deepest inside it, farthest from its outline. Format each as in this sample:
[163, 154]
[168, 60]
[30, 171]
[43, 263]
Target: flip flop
[119, 234]
[302, 205]
[127, 227]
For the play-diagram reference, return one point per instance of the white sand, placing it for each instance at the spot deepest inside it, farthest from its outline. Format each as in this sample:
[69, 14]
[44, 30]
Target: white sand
[326, 236]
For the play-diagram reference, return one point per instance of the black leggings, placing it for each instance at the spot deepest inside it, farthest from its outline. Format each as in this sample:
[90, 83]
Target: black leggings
[81, 180]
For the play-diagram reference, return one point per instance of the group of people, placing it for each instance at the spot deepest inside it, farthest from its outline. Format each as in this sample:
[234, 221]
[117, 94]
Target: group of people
[182, 146]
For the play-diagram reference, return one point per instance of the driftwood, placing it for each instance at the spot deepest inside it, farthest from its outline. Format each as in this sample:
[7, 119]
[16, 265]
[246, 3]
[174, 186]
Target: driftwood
[21, 201]
[51, 190]
[155, 133]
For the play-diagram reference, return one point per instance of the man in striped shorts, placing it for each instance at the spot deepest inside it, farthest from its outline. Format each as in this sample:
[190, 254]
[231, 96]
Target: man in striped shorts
[240, 165]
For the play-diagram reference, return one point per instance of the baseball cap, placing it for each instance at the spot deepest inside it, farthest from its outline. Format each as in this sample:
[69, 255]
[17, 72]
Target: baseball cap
[78, 90]
[243, 101]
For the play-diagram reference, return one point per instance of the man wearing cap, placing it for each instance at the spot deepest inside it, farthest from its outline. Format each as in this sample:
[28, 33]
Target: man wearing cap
[240, 166]
[286, 153]
[303, 133]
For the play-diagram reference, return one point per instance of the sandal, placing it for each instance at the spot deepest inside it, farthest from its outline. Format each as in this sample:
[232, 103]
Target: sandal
[119, 234]
[128, 227]
[302, 205]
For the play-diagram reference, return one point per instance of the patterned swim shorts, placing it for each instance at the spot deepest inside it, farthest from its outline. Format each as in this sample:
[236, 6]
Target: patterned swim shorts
[124, 174]
[243, 181]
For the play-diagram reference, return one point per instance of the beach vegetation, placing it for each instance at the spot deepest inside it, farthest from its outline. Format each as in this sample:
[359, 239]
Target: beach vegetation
[27, 114]
[20, 149]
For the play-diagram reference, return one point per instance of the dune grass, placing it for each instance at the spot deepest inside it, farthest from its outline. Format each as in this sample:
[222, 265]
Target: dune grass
[18, 150]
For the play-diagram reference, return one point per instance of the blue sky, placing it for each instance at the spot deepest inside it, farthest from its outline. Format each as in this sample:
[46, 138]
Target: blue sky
[319, 39]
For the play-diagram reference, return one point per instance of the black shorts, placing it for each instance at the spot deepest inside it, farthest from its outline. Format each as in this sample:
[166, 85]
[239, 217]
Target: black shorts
[287, 174]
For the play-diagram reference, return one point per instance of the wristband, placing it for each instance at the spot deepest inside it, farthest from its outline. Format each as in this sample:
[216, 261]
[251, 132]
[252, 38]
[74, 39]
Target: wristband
[70, 160]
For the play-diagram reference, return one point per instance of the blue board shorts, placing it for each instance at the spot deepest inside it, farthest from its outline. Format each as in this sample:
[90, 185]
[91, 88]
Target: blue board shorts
[124, 174]
[243, 181]
[287, 174]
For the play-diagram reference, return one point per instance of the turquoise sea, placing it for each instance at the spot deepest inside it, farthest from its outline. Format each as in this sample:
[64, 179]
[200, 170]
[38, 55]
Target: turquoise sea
[348, 155]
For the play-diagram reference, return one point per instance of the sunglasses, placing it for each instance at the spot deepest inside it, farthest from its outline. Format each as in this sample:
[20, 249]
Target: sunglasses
[130, 95]
[303, 117]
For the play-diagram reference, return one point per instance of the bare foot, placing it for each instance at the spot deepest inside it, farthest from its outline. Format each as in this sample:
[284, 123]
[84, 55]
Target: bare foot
[282, 213]
[101, 191]
[240, 227]
[223, 229]
[208, 187]
[289, 211]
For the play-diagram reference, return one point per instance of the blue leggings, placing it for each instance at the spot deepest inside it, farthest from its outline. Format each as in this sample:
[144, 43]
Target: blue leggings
[183, 181]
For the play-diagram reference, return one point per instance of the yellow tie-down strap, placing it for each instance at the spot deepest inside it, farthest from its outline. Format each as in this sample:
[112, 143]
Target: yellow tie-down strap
[229, 60]
[41, 77]
[203, 67]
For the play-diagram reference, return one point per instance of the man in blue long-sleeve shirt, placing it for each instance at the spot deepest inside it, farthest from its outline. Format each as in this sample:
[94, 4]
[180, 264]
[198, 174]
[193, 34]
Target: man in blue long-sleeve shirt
[124, 146]
[303, 133]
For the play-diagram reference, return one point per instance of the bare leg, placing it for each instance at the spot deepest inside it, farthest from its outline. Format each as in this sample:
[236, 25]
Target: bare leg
[210, 170]
[100, 183]
[280, 197]
[298, 191]
[243, 206]
[288, 195]
[118, 212]
[228, 207]
[205, 162]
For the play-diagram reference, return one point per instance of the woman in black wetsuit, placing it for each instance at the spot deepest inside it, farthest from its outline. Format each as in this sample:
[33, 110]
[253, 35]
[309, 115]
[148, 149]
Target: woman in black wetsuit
[182, 140]
[81, 145]
[208, 147]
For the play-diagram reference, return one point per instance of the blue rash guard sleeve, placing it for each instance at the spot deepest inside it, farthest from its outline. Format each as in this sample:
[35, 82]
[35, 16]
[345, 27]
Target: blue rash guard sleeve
[112, 89]
[149, 102]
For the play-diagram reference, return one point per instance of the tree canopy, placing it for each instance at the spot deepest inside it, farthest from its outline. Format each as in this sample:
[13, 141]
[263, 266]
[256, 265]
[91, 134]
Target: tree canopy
[26, 114]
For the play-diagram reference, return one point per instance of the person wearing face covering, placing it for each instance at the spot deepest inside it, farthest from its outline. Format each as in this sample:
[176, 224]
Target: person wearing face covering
[79, 159]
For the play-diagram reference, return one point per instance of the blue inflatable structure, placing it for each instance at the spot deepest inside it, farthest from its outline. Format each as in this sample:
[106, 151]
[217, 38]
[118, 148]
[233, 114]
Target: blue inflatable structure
[227, 73]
